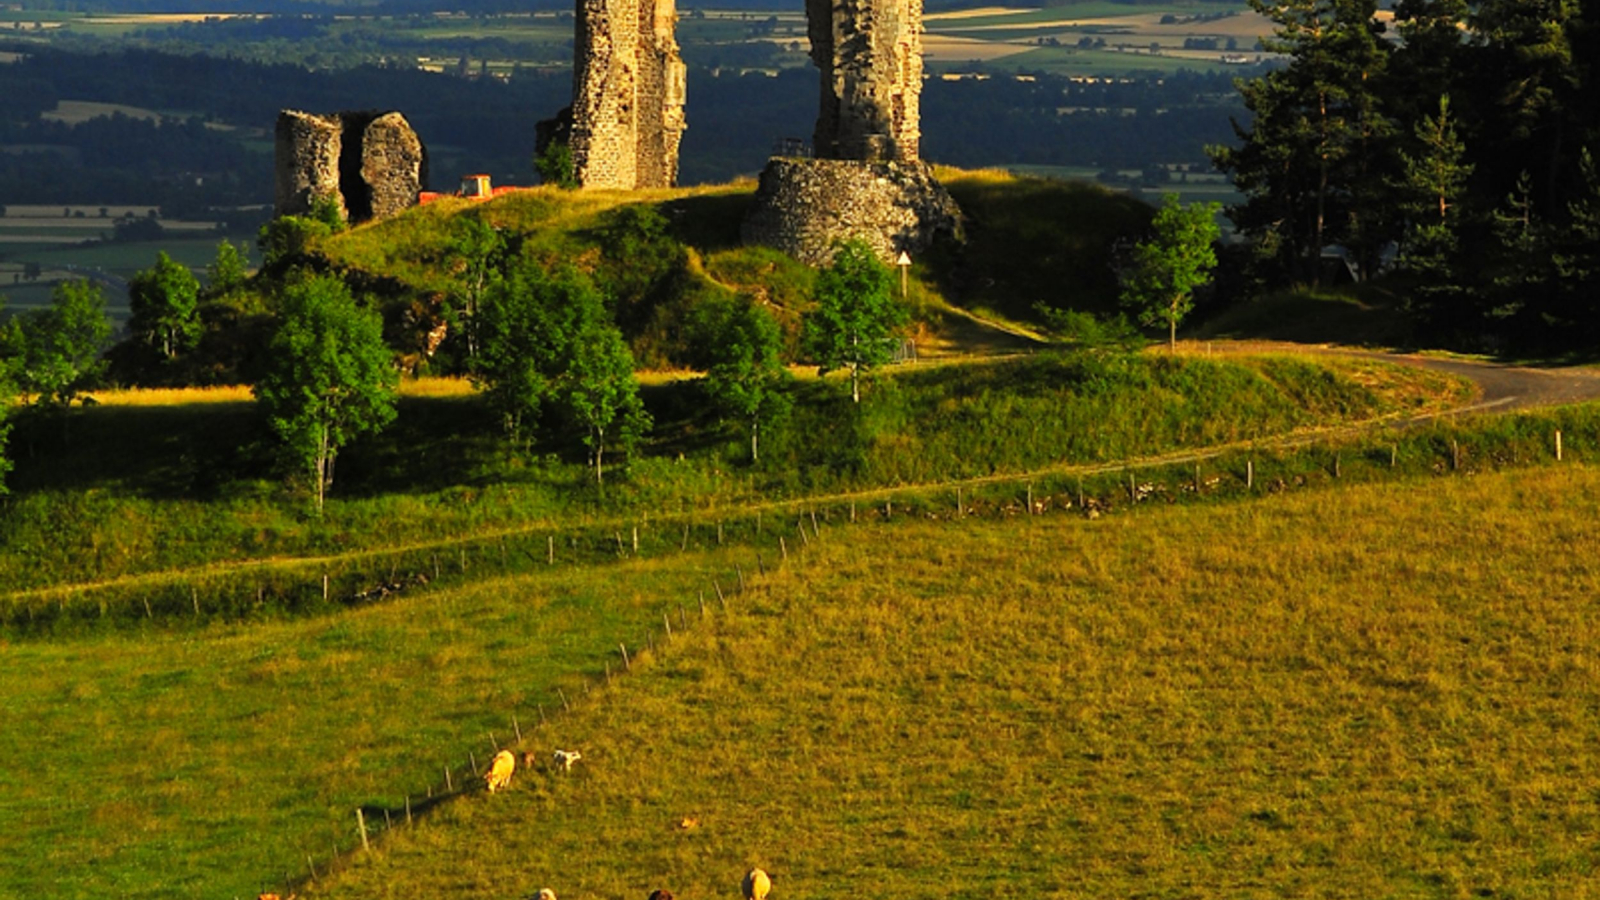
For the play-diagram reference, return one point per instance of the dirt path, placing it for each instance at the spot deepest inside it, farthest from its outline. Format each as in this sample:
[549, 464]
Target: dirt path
[1501, 387]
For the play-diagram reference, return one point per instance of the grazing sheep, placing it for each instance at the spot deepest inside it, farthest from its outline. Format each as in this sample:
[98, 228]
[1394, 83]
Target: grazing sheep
[565, 758]
[756, 885]
[660, 894]
[499, 774]
[546, 894]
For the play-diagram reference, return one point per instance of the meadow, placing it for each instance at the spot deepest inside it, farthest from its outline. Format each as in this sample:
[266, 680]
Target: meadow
[1385, 690]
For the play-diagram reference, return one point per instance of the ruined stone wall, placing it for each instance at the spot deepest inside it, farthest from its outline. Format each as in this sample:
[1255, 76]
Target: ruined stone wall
[869, 54]
[803, 206]
[372, 163]
[306, 151]
[627, 94]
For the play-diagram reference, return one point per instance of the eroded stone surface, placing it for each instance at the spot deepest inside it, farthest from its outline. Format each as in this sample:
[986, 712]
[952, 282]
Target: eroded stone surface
[392, 165]
[869, 54]
[804, 206]
[373, 163]
[306, 147]
[627, 95]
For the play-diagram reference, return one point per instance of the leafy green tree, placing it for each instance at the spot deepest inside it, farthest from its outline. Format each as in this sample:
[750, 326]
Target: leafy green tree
[1167, 267]
[227, 270]
[287, 238]
[55, 352]
[474, 258]
[555, 166]
[856, 316]
[526, 324]
[329, 376]
[599, 389]
[165, 302]
[745, 377]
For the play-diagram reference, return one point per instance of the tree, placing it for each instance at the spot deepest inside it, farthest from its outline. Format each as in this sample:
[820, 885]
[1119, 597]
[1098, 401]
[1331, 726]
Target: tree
[599, 389]
[1310, 160]
[745, 377]
[555, 165]
[55, 352]
[525, 324]
[474, 257]
[329, 376]
[856, 315]
[1167, 267]
[8, 397]
[227, 269]
[1434, 181]
[165, 302]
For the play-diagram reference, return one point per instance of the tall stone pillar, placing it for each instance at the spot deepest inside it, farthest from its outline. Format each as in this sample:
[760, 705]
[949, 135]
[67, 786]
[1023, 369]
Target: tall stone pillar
[627, 94]
[869, 55]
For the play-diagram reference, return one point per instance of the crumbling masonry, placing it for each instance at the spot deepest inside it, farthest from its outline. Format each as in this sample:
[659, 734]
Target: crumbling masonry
[867, 181]
[371, 162]
[869, 53]
[627, 95]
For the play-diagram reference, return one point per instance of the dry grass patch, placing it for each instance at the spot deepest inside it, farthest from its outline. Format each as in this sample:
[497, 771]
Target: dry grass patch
[1375, 692]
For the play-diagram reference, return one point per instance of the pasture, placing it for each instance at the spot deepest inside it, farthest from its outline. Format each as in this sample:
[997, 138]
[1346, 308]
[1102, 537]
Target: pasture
[1381, 691]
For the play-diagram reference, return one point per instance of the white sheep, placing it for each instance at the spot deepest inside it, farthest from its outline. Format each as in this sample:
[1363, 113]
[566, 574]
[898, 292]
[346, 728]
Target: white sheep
[546, 894]
[499, 774]
[565, 758]
[756, 885]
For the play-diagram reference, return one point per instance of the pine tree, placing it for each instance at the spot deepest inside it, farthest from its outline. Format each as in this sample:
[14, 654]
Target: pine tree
[1310, 162]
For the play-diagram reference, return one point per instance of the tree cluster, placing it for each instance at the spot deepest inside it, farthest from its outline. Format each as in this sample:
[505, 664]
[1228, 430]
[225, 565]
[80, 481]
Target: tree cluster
[1456, 158]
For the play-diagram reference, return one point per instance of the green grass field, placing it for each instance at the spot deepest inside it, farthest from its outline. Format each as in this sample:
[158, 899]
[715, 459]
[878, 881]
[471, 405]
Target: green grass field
[1383, 691]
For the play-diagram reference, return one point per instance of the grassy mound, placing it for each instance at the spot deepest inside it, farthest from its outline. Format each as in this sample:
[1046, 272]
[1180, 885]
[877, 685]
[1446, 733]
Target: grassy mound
[1207, 701]
[1029, 240]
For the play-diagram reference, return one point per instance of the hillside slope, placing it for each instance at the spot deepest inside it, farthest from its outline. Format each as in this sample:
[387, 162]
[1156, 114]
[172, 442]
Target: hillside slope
[1207, 702]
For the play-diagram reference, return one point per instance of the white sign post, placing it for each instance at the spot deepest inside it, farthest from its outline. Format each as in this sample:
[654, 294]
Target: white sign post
[904, 262]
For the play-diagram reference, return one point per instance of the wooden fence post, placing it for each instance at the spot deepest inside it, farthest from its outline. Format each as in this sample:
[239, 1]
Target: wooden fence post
[361, 822]
[550, 550]
[784, 548]
[961, 509]
[1558, 445]
[627, 664]
[1249, 474]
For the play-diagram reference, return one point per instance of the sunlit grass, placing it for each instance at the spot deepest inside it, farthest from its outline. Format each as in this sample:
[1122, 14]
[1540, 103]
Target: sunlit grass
[1383, 691]
[210, 763]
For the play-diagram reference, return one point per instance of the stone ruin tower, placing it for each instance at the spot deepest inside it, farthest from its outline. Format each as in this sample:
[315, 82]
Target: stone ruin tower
[628, 88]
[866, 180]
[372, 162]
[870, 55]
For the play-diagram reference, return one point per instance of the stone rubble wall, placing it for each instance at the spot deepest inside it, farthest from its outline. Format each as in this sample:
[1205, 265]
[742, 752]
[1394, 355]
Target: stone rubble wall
[803, 206]
[628, 94]
[306, 151]
[869, 54]
[372, 163]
